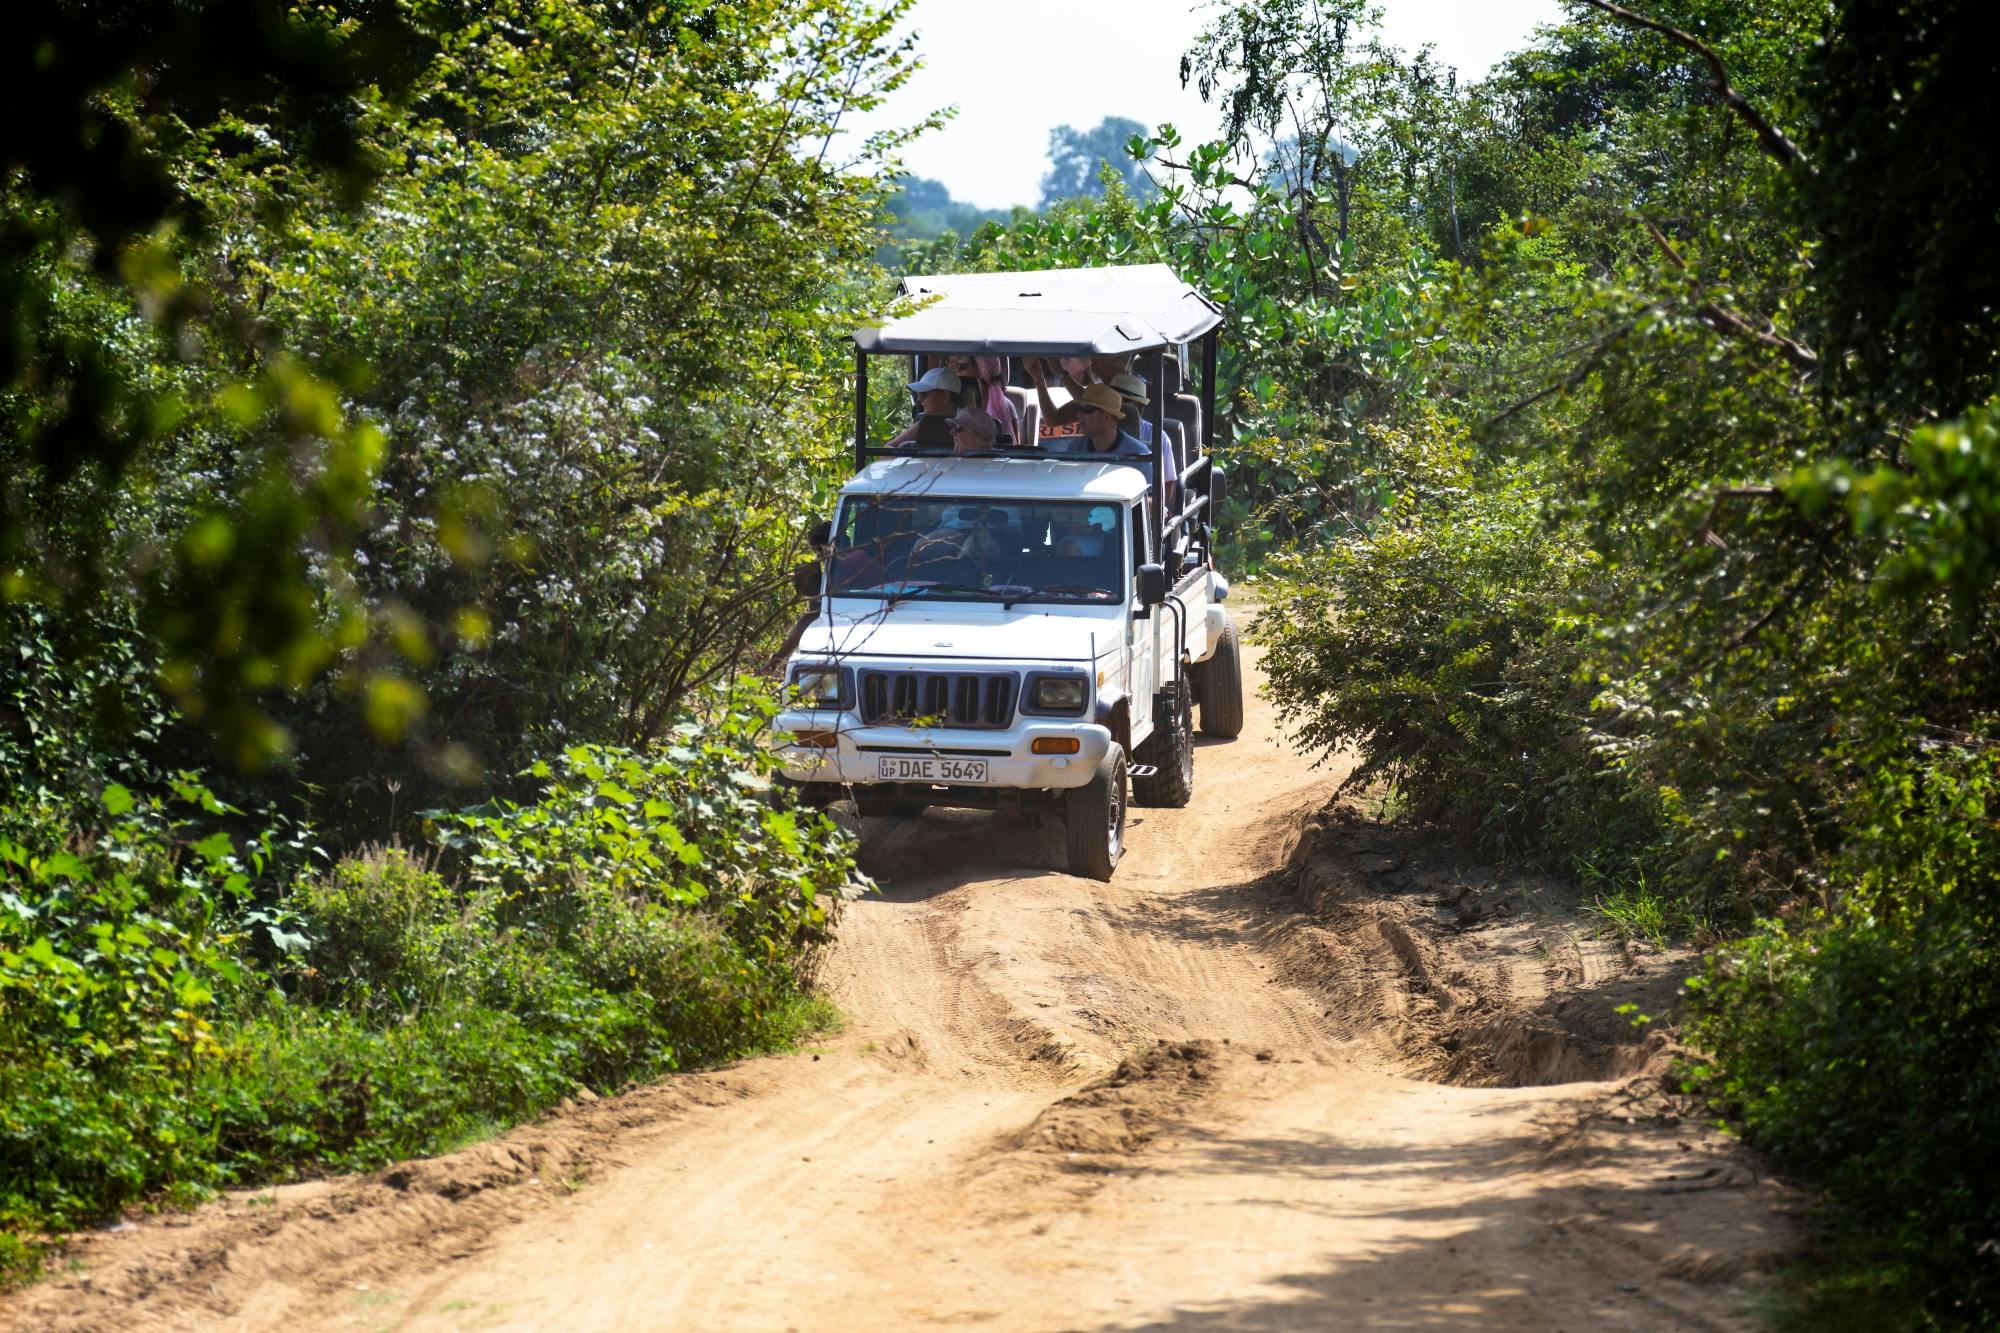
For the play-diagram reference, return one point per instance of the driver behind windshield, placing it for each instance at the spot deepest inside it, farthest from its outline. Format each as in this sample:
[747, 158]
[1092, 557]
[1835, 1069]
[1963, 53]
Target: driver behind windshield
[1074, 539]
[1060, 551]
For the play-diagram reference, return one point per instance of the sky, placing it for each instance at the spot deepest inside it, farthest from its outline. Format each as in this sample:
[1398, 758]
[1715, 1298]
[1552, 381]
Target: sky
[1018, 68]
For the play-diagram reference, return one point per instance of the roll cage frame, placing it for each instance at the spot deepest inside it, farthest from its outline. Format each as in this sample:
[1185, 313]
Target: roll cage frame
[1109, 311]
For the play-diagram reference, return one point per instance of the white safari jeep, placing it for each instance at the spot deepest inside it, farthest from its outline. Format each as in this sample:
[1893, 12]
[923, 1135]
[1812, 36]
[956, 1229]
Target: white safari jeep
[1022, 627]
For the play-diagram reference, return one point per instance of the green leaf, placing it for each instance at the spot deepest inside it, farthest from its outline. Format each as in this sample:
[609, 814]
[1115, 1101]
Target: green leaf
[118, 799]
[191, 990]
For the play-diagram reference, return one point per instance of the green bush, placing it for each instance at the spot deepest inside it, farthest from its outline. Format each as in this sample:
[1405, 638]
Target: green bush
[1443, 647]
[116, 944]
[169, 1020]
[1861, 1043]
[388, 935]
[696, 823]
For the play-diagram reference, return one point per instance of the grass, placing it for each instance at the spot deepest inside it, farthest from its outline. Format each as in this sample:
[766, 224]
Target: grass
[797, 1019]
[788, 1023]
[1634, 910]
[1848, 1283]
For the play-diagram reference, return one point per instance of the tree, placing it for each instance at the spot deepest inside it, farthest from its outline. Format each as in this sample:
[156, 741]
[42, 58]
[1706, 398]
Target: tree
[113, 347]
[1076, 156]
[922, 208]
[507, 452]
[1711, 613]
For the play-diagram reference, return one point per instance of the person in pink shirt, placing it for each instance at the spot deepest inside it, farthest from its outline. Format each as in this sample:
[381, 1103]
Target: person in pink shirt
[985, 380]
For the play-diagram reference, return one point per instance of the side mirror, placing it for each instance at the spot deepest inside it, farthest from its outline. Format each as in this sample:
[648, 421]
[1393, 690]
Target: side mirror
[1152, 584]
[805, 580]
[1218, 486]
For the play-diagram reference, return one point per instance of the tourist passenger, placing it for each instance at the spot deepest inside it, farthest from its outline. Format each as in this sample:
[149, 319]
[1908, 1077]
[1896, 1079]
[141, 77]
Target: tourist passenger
[1086, 539]
[974, 431]
[1133, 390]
[1101, 411]
[985, 379]
[1078, 373]
[936, 392]
[1055, 422]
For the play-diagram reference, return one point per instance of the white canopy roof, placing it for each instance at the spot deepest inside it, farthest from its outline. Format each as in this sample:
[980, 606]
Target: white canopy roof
[1057, 312]
[1032, 476]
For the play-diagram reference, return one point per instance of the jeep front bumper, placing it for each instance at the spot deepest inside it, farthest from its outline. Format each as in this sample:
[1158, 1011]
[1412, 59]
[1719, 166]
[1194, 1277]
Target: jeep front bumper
[856, 755]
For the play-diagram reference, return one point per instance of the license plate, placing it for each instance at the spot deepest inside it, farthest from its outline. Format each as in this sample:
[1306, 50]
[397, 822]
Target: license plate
[911, 768]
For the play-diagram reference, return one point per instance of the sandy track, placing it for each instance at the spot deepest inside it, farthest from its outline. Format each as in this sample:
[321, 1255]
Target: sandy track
[959, 1157]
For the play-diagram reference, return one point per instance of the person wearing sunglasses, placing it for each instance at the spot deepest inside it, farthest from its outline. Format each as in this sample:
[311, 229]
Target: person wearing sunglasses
[974, 431]
[1100, 411]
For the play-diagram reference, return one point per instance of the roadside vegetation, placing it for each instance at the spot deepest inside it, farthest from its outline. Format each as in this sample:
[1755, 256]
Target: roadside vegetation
[410, 414]
[1618, 434]
[406, 444]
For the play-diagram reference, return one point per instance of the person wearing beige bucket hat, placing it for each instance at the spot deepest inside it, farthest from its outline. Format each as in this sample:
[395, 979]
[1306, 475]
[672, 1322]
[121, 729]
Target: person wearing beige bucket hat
[1100, 410]
[1133, 390]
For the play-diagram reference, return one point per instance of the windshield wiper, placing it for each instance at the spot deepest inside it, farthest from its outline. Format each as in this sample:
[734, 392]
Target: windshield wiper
[924, 589]
[1060, 589]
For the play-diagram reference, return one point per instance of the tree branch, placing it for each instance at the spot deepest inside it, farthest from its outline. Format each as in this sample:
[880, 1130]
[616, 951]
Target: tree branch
[1769, 137]
[1569, 381]
[1802, 357]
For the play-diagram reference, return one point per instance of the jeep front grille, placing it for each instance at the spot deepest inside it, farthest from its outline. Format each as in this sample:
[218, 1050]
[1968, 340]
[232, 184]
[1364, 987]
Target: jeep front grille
[940, 698]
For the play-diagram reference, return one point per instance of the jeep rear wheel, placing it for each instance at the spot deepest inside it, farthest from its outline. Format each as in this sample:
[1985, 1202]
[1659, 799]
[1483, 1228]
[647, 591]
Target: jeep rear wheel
[1170, 751]
[1095, 815]
[1222, 688]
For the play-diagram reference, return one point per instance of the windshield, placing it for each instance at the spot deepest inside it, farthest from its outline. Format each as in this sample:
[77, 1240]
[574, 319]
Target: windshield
[894, 547]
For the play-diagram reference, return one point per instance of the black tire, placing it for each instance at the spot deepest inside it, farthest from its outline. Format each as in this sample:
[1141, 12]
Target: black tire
[1170, 750]
[1222, 688]
[871, 803]
[1095, 816]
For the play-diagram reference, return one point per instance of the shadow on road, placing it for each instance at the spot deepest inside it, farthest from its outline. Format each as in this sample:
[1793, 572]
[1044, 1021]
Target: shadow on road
[1488, 1255]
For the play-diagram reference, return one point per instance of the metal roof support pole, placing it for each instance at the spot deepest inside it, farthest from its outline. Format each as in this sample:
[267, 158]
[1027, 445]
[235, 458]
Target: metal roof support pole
[1158, 406]
[1208, 357]
[1208, 390]
[860, 409]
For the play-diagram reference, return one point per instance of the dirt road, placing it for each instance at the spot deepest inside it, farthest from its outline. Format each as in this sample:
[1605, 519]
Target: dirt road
[1058, 1105]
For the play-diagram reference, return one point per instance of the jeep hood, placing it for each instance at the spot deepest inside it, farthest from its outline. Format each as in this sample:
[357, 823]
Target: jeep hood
[960, 630]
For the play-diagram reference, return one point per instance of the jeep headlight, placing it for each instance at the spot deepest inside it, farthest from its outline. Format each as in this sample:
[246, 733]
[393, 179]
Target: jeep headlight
[1059, 694]
[820, 687]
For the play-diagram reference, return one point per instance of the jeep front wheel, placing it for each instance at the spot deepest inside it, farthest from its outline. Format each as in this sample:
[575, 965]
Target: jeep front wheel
[873, 804]
[1095, 816]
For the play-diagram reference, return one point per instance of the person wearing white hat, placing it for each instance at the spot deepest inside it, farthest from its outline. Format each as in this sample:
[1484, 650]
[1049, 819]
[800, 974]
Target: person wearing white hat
[1133, 390]
[936, 392]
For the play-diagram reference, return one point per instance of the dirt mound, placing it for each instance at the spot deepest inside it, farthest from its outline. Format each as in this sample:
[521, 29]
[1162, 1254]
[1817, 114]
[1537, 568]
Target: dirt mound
[1468, 975]
[1122, 1112]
